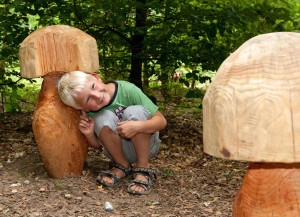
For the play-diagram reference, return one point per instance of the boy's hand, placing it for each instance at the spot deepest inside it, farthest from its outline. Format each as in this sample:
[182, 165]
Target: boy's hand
[86, 124]
[128, 129]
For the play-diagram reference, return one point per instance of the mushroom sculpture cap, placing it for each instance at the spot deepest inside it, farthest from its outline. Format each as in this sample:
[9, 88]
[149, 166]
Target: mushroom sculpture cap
[251, 111]
[57, 48]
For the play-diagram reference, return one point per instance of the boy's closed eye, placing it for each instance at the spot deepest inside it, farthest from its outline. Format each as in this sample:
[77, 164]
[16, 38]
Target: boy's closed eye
[88, 99]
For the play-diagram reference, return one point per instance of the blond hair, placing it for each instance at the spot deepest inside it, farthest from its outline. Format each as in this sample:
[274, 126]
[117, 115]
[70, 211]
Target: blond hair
[70, 85]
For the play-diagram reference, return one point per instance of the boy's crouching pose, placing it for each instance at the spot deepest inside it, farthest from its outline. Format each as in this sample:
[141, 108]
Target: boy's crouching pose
[124, 121]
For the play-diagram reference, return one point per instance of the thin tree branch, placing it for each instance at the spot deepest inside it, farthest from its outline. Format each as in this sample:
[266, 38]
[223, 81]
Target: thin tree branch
[10, 83]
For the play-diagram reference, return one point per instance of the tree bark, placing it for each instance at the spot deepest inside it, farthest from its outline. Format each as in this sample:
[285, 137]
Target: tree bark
[137, 45]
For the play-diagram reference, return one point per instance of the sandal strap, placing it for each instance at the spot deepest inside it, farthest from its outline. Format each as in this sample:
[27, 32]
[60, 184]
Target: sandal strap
[141, 182]
[147, 171]
[115, 180]
[146, 185]
[111, 175]
[126, 171]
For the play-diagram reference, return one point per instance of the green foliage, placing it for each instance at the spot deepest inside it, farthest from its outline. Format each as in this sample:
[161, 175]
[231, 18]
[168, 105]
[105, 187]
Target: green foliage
[148, 203]
[11, 100]
[18, 96]
[13, 29]
[59, 186]
[175, 33]
[194, 93]
[168, 172]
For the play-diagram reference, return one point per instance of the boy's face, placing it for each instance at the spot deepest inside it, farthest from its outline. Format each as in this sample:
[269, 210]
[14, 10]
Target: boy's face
[94, 95]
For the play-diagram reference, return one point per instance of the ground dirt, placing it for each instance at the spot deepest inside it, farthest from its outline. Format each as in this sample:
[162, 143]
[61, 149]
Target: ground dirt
[190, 182]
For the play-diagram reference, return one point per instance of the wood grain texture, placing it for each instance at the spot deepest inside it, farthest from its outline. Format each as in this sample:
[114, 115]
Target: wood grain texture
[62, 147]
[48, 52]
[269, 190]
[57, 48]
[251, 111]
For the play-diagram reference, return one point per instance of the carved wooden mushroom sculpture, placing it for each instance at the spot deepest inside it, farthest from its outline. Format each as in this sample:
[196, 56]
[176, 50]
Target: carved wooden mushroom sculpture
[49, 52]
[251, 113]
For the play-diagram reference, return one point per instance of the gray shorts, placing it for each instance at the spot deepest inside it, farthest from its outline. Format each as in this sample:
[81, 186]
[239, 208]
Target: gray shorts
[110, 119]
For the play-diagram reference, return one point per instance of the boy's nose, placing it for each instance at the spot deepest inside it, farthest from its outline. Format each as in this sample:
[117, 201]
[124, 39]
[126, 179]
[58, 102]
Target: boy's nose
[96, 94]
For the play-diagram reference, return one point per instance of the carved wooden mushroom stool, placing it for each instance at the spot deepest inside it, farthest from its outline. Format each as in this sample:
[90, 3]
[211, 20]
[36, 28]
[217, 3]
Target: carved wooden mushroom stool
[251, 113]
[49, 52]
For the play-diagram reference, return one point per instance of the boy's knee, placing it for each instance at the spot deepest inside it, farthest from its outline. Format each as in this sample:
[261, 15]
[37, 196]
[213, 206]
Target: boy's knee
[105, 119]
[136, 112]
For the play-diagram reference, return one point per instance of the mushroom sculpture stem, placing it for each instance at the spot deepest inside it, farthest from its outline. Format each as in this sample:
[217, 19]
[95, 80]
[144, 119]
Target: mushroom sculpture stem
[62, 147]
[269, 190]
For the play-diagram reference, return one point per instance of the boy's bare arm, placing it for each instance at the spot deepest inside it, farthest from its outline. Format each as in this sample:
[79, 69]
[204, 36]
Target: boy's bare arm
[128, 129]
[93, 141]
[86, 127]
[156, 123]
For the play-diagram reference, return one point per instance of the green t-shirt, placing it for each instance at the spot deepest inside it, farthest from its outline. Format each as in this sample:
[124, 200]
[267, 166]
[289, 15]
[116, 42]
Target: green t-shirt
[127, 94]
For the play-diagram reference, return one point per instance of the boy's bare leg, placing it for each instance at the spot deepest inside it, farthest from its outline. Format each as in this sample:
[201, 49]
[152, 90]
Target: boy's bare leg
[141, 145]
[112, 144]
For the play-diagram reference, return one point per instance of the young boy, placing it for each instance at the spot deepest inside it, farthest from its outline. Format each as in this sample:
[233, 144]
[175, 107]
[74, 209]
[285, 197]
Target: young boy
[124, 121]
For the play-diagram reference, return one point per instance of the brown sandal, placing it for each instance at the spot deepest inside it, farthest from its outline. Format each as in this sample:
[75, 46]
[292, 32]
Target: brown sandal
[108, 173]
[147, 185]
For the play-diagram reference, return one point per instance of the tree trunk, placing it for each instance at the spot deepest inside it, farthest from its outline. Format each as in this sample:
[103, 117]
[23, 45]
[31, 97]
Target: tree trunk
[269, 190]
[138, 44]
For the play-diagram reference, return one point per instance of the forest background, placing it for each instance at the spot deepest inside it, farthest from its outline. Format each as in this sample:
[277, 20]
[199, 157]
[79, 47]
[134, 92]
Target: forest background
[143, 41]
